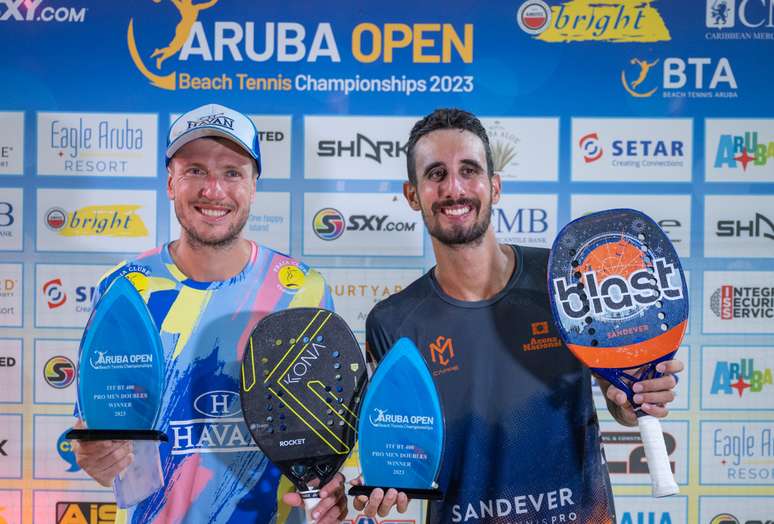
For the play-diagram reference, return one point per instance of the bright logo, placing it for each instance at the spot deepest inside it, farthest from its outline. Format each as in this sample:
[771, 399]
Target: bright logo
[533, 17]
[643, 69]
[118, 220]
[55, 295]
[328, 224]
[56, 218]
[583, 20]
[291, 277]
[591, 148]
[59, 372]
[739, 376]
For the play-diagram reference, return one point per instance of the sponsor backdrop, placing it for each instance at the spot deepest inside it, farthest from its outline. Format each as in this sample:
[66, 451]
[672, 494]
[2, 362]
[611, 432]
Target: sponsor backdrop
[660, 105]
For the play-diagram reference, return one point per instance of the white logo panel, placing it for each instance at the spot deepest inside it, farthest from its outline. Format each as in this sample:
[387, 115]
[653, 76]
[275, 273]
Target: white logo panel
[529, 220]
[735, 510]
[737, 378]
[631, 150]
[268, 223]
[626, 455]
[11, 365]
[642, 510]
[739, 226]
[671, 212]
[99, 507]
[11, 292]
[736, 452]
[97, 144]
[55, 371]
[356, 147]
[739, 150]
[53, 456]
[524, 148]
[361, 224]
[64, 294]
[11, 219]
[96, 220]
[274, 138]
[10, 506]
[11, 442]
[738, 302]
[357, 290]
[11, 143]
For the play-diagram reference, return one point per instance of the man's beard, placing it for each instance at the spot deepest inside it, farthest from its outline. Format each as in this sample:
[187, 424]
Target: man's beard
[231, 236]
[458, 236]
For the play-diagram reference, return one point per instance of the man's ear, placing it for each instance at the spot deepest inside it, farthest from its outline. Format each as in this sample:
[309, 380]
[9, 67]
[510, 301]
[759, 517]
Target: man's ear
[497, 188]
[170, 184]
[410, 192]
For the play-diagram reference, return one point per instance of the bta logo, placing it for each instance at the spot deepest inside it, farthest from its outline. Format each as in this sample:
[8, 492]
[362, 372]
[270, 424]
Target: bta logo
[636, 462]
[59, 372]
[760, 226]
[85, 512]
[723, 14]
[6, 217]
[641, 517]
[55, 295]
[529, 220]
[361, 147]
[676, 73]
[740, 376]
[744, 149]
[47, 14]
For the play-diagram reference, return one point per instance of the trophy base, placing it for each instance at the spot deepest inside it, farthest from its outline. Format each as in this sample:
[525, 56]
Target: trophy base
[412, 493]
[116, 434]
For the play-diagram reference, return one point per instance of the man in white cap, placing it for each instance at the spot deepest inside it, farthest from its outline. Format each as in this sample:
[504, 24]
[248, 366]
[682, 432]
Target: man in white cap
[206, 290]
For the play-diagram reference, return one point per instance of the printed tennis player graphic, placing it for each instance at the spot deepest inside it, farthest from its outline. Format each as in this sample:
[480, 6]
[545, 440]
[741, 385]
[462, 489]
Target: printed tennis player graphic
[620, 300]
[302, 375]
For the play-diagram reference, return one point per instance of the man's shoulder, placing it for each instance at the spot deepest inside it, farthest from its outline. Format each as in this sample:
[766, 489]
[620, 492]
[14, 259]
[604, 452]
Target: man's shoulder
[398, 304]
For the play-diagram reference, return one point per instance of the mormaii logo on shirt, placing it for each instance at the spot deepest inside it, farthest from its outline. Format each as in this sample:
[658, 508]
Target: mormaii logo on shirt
[218, 426]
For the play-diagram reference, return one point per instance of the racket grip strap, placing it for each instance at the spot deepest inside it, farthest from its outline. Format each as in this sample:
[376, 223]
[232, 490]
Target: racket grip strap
[662, 480]
[311, 498]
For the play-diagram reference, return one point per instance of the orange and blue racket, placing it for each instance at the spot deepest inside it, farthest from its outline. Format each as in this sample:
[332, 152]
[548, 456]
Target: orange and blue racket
[620, 301]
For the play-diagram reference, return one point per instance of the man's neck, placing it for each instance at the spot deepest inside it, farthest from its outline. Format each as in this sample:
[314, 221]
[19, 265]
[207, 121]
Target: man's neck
[207, 263]
[474, 272]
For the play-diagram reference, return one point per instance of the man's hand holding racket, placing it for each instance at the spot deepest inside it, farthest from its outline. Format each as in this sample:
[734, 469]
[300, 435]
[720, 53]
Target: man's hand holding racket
[332, 507]
[651, 395]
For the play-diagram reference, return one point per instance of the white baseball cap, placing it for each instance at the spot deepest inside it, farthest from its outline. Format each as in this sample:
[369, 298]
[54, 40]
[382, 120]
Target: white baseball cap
[214, 120]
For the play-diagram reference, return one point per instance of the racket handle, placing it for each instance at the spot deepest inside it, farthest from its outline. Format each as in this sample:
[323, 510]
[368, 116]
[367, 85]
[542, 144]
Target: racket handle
[661, 478]
[311, 498]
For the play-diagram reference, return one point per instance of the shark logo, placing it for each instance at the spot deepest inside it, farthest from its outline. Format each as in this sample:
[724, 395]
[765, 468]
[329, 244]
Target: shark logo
[631, 87]
[189, 13]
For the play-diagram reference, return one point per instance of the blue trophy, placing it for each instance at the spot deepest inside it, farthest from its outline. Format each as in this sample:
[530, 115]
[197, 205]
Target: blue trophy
[401, 427]
[120, 382]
